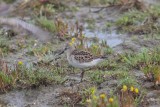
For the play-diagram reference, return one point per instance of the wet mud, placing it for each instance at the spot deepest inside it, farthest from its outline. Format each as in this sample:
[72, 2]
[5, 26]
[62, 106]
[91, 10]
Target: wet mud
[47, 96]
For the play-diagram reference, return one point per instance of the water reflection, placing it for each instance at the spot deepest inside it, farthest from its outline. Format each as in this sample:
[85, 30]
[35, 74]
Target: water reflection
[113, 39]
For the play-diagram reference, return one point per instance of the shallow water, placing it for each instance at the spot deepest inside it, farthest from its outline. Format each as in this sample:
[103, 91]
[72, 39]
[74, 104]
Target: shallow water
[155, 2]
[44, 97]
[112, 38]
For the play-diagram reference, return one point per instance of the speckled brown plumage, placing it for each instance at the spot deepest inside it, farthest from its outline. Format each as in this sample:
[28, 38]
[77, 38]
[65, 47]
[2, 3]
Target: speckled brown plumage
[82, 59]
[84, 56]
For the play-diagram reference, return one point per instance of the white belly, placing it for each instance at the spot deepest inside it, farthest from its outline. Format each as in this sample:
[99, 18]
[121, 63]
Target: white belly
[77, 64]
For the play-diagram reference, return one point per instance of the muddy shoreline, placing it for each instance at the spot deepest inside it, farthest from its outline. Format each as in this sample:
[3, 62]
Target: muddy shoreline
[32, 53]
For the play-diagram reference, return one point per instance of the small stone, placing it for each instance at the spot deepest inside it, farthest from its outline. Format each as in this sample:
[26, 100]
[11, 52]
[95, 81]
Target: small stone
[148, 85]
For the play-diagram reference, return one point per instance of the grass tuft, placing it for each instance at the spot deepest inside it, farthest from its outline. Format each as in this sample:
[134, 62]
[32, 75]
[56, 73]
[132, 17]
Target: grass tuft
[47, 24]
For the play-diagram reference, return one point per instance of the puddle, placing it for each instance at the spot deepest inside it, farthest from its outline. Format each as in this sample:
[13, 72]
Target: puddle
[154, 2]
[112, 38]
[45, 96]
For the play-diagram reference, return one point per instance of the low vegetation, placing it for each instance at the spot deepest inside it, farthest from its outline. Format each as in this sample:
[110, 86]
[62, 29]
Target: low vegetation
[140, 22]
[112, 83]
[126, 97]
[4, 44]
[46, 24]
[22, 77]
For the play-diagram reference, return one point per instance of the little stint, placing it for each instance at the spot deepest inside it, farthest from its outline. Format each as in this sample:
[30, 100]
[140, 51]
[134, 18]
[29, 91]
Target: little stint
[81, 59]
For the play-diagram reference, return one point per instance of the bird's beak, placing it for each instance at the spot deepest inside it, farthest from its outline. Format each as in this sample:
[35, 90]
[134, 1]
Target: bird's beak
[65, 48]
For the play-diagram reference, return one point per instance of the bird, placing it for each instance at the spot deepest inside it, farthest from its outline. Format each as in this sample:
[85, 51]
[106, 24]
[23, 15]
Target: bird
[81, 59]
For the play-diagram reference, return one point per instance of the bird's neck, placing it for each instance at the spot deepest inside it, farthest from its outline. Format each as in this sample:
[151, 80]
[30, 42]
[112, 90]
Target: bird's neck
[69, 51]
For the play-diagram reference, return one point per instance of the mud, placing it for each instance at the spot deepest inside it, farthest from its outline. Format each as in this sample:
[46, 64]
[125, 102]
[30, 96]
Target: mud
[46, 96]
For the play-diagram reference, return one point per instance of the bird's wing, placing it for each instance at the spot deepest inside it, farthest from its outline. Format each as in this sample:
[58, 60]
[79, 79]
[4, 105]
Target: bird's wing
[82, 56]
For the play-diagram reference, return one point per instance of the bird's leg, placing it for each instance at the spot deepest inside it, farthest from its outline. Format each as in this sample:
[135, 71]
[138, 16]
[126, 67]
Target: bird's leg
[82, 74]
[73, 69]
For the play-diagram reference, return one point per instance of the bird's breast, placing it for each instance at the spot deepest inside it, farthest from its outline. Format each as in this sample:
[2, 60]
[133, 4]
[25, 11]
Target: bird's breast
[75, 63]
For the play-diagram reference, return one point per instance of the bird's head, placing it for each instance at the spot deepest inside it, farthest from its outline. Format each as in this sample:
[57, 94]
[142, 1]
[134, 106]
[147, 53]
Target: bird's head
[69, 45]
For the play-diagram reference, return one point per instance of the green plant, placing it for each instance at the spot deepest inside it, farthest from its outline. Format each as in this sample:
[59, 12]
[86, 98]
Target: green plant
[4, 45]
[128, 80]
[103, 2]
[155, 11]
[90, 23]
[47, 24]
[41, 50]
[147, 60]
[126, 97]
[152, 72]
[132, 17]
[47, 9]
[141, 22]
[39, 76]
[142, 58]
[9, 1]
[23, 77]
[5, 81]
[97, 76]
